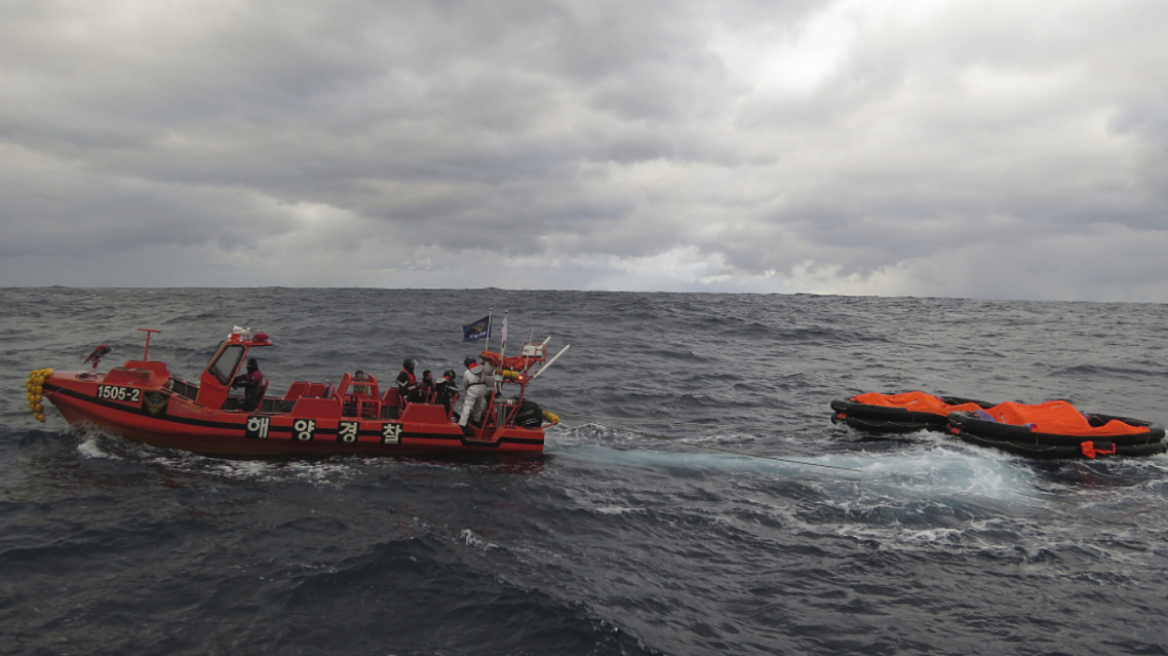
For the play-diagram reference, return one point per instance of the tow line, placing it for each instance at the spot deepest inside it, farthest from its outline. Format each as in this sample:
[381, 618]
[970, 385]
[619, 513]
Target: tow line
[706, 446]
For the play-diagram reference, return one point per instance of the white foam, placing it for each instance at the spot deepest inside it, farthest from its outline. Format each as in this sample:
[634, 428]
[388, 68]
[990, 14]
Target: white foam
[931, 466]
[913, 473]
[472, 539]
[91, 441]
[90, 448]
[617, 510]
[98, 443]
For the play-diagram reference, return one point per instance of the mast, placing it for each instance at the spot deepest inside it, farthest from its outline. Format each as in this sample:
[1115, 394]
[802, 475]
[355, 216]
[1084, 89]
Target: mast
[146, 352]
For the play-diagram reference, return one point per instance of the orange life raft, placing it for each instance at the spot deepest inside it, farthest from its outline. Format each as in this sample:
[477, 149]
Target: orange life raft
[1056, 429]
[900, 413]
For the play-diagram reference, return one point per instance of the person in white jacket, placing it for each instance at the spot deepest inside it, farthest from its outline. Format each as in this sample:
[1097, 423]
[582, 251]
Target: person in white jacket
[478, 381]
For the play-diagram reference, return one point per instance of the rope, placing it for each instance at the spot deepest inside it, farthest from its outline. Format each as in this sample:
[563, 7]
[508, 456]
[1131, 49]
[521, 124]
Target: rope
[656, 422]
[707, 446]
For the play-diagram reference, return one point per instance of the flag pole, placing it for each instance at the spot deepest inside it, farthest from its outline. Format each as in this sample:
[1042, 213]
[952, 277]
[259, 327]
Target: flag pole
[503, 337]
[502, 350]
[490, 317]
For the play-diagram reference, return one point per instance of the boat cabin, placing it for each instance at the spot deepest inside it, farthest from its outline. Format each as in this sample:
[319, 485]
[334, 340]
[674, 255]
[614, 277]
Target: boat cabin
[215, 381]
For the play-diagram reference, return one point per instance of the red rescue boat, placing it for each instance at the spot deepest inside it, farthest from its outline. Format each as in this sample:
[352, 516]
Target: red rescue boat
[143, 401]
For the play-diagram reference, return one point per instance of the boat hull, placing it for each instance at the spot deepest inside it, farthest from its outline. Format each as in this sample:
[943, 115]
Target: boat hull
[163, 418]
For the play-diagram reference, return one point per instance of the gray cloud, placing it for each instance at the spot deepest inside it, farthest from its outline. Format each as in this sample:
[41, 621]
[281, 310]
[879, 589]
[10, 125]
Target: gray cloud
[1009, 150]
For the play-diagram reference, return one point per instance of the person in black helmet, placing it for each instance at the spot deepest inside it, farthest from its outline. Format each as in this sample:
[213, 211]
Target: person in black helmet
[253, 385]
[446, 390]
[407, 383]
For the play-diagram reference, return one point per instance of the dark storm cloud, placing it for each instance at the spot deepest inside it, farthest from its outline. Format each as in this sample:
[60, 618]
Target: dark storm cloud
[883, 146]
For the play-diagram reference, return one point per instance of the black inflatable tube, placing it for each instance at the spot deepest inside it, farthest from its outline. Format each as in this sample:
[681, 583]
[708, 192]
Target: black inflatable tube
[1063, 452]
[876, 425]
[886, 419]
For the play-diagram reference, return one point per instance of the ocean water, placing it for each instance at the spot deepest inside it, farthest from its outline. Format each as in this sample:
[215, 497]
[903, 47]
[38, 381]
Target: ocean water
[696, 499]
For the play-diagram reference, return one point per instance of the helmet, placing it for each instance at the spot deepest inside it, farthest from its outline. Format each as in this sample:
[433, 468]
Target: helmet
[449, 373]
[470, 359]
[252, 365]
[410, 363]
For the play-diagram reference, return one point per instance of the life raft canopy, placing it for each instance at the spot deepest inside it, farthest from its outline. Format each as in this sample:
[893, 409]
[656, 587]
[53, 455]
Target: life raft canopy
[917, 402]
[533, 353]
[1058, 418]
[904, 412]
[517, 363]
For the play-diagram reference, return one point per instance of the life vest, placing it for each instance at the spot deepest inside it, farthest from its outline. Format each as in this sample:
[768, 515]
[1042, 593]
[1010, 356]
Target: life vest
[407, 386]
[251, 381]
[473, 375]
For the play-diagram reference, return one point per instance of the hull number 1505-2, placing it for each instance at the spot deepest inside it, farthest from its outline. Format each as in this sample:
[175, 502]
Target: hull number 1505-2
[115, 393]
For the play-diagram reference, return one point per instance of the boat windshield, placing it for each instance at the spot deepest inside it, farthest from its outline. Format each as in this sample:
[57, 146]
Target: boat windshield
[223, 366]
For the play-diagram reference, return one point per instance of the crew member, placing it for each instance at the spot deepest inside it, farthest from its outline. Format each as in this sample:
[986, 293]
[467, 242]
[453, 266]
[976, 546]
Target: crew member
[446, 390]
[360, 377]
[478, 381]
[426, 387]
[407, 383]
[98, 353]
[253, 385]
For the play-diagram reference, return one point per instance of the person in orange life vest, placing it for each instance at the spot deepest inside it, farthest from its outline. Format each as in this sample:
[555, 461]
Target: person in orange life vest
[478, 379]
[426, 387]
[407, 383]
[253, 385]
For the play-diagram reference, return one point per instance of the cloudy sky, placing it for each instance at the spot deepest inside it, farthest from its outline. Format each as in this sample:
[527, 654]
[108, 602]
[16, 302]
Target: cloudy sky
[969, 148]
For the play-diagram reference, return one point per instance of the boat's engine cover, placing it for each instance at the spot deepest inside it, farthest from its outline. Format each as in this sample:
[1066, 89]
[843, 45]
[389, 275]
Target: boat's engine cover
[530, 415]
